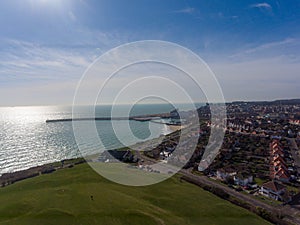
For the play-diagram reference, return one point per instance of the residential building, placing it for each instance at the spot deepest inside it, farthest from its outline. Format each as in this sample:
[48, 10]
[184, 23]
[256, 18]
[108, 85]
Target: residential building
[273, 189]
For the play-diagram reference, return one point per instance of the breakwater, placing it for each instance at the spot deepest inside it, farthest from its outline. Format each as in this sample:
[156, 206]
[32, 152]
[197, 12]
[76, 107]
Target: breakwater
[137, 118]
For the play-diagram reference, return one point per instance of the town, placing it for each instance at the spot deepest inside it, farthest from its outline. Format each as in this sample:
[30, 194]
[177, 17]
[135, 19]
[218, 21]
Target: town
[259, 156]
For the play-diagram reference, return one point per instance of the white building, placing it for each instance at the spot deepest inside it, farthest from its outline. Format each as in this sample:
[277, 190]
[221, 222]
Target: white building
[222, 174]
[242, 180]
[273, 190]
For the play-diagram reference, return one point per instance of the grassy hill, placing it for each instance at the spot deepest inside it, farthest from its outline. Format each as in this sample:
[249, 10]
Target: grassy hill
[64, 197]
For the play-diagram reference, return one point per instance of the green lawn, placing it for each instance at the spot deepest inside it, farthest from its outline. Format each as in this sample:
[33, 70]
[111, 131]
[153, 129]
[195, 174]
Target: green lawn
[64, 197]
[259, 181]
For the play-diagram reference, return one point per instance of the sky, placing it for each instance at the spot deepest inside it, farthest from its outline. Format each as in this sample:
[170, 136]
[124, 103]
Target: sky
[253, 47]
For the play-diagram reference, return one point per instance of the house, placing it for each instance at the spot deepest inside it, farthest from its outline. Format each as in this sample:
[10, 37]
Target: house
[273, 189]
[278, 167]
[277, 152]
[282, 175]
[223, 174]
[252, 185]
[295, 122]
[275, 144]
[242, 179]
[278, 163]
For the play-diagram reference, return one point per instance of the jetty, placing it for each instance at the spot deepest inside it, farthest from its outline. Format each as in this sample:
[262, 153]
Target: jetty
[141, 118]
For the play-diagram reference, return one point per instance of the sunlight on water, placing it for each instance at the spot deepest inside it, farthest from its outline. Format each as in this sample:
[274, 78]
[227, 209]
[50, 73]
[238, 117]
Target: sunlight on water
[26, 140]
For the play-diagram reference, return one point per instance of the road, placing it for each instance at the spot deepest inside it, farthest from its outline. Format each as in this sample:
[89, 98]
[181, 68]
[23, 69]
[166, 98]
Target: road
[292, 214]
[247, 198]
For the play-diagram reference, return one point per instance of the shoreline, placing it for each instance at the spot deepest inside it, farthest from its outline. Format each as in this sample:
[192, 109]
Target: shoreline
[174, 128]
[40, 168]
[12, 177]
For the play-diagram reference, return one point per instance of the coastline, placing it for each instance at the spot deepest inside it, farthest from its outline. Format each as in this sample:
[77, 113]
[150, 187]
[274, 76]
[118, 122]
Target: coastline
[174, 128]
[12, 177]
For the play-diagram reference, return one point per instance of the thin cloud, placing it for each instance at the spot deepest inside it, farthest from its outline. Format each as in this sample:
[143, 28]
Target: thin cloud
[72, 16]
[187, 10]
[262, 5]
[271, 45]
[30, 60]
[36, 62]
[266, 47]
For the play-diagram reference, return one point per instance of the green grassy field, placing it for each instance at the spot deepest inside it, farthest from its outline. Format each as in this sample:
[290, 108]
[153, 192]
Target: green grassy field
[64, 197]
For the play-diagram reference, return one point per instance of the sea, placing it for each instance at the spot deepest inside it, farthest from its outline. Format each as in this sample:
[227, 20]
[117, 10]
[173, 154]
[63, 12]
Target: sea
[26, 140]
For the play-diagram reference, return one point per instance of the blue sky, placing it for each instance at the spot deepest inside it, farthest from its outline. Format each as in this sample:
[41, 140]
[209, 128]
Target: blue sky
[253, 47]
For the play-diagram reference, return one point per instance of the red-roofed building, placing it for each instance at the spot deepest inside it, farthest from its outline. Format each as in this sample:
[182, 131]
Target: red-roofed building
[273, 189]
[282, 175]
[278, 167]
[278, 152]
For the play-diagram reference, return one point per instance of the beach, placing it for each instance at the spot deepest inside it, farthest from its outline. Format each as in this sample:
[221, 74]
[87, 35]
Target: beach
[173, 128]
